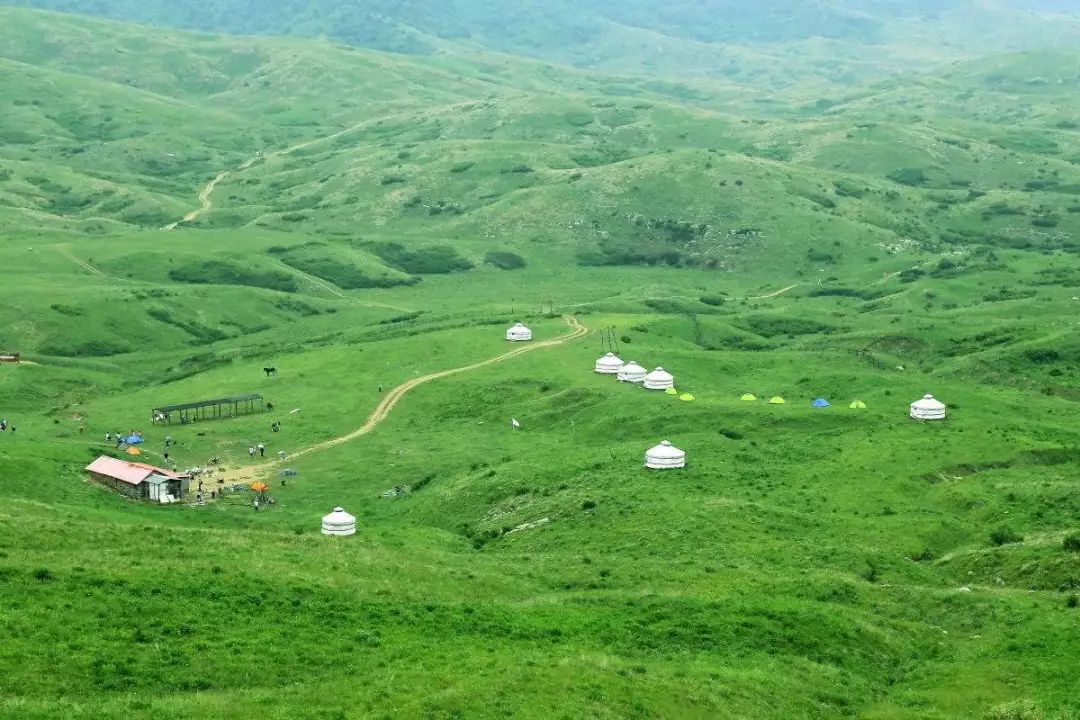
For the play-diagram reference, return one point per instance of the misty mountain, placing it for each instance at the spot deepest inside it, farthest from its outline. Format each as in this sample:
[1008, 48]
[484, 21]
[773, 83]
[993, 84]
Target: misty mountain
[710, 38]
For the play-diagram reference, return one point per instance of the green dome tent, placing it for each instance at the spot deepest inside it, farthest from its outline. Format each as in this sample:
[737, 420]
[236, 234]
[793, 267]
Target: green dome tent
[671, 391]
[748, 397]
[857, 405]
[687, 397]
[777, 400]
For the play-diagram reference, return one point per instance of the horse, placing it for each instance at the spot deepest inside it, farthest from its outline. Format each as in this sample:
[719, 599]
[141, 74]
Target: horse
[270, 371]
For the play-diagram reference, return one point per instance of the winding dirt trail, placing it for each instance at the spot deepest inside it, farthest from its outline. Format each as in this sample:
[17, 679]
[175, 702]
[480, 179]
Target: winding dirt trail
[392, 398]
[205, 199]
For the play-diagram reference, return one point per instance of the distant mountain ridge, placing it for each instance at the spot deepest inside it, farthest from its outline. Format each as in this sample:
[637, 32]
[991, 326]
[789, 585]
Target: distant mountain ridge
[848, 40]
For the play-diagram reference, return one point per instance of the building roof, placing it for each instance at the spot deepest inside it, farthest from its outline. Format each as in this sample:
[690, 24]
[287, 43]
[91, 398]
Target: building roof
[209, 403]
[665, 451]
[659, 375]
[928, 402]
[611, 360]
[132, 473]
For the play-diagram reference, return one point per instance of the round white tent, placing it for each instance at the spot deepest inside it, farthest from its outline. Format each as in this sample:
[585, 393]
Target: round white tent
[665, 456]
[610, 364]
[659, 379]
[338, 522]
[632, 372]
[518, 333]
[928, 408]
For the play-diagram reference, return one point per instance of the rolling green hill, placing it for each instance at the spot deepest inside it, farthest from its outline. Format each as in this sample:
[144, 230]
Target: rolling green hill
[179, 211]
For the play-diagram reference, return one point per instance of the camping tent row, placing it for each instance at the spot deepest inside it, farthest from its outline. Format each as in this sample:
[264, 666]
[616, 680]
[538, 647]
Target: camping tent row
[518, 333]
[926, 408]
[658, 379]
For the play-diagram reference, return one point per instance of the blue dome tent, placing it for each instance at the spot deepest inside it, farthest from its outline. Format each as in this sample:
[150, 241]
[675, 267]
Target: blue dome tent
[820, 403]
[133, 439]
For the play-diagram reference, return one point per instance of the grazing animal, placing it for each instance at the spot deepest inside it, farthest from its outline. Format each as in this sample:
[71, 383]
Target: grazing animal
[270, 371]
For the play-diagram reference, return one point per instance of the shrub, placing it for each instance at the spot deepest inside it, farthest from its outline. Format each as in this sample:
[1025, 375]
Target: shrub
[434, 260]
[44, 575]
[462, 166]
[219, 272]
[714, 300]
[624, 339]
[1003, 535]
[909, 176]
[1072, 543]
[588, 505]
[393, 180]
[505, 260]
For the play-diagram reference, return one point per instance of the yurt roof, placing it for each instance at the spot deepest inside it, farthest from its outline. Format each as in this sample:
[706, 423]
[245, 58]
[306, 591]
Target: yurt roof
[928, 402]
[519, 326]
[659, 375]
[339, 516]
[666, 451]
[633, 367]
[610, 360]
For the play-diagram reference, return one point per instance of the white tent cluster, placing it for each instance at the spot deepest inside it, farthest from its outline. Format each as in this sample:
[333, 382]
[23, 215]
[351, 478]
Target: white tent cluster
[338, 522]
[518, 333]
[631, 372]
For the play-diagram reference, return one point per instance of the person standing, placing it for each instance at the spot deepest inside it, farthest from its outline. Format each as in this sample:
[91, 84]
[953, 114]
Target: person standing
[262, 450]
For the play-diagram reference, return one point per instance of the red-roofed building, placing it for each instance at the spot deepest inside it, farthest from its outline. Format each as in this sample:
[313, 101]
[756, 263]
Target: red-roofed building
[139, 480]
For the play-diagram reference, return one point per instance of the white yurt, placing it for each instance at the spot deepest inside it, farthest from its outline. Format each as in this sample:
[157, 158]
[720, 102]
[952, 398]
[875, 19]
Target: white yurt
[610, 364]
[338, 522]
[665, 456]
[928, 408]
[518, 333]
[632, 372]
[659, 379]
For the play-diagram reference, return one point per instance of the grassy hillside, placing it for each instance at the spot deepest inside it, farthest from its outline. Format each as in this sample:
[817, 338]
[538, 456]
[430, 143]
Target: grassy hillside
[179, 211]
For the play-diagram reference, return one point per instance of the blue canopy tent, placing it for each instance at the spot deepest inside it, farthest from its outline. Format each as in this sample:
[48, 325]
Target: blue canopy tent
[133, 439]
[820, 403]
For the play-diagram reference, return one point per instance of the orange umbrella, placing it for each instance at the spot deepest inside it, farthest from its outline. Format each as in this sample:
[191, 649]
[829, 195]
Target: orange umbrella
[260, 487]
[134, 451]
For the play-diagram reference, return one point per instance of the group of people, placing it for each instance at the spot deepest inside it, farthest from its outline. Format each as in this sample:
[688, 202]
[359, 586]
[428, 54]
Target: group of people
[260, 448]
[121, 440]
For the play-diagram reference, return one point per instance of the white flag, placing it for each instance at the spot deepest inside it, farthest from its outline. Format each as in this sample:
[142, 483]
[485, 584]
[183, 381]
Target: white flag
[514, 423]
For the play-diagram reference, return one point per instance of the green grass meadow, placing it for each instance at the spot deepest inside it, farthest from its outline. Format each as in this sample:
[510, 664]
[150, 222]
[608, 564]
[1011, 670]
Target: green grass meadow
[903, 236]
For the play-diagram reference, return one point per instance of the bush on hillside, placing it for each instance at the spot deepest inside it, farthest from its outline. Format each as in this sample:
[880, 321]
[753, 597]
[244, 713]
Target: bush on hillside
[713, 300]
[345, 275]
[909, 176]
[505, 260]
[433, 260]
[1071, 543]
[219, 272]
[462, 166]
[767, 326]
[1003, 535]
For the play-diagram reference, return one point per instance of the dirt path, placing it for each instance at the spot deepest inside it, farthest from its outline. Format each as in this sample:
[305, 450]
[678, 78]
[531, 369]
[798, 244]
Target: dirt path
[392, 398]
[63, 250]
[779, 292]
[311, 279]
[205, 201]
